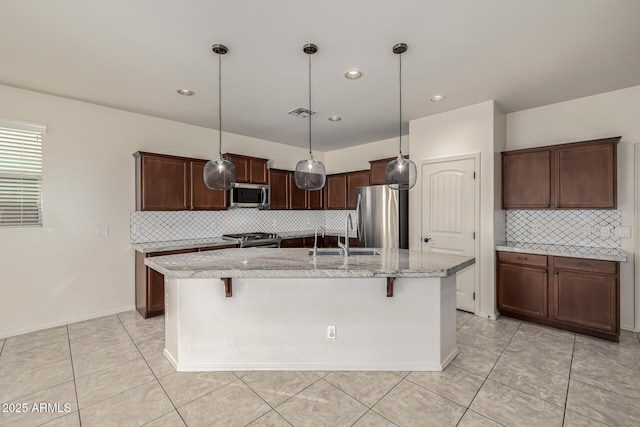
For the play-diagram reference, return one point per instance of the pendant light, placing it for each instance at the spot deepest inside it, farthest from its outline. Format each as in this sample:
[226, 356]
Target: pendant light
[310, 173]
[401, 173]
[219, 174]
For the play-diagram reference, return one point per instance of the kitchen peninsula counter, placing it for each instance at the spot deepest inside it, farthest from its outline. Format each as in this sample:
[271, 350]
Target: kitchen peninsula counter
[276, 308]
[297, 263]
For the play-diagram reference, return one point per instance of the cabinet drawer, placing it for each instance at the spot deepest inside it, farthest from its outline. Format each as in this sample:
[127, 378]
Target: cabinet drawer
[524, 259]
[581, 264]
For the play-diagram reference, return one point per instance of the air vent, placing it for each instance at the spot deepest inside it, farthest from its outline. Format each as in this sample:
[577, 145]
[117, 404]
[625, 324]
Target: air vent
[301, 112]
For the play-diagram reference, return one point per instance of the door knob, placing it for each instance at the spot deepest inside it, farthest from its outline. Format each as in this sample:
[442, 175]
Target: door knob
[426, 239]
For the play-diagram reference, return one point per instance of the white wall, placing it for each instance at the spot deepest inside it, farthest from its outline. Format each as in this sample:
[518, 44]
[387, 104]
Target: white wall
[473, 129]
[357, 157]
[63, 272]
[599, 116]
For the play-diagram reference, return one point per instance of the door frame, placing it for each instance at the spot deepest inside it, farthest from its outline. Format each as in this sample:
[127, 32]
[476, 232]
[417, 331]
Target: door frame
[636, 260]
[476, 215]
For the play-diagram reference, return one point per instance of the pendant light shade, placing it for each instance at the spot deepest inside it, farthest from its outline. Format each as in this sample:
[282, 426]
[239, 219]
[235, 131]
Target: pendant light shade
[401, 173]
[310, 173]
[219, 174]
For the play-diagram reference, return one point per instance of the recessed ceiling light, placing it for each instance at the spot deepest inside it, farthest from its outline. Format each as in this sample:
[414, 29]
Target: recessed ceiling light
[186, 92]
[335, 118]
[353, 74]
[436, 98]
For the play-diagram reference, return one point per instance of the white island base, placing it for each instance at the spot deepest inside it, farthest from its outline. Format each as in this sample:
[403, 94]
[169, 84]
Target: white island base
[281, 324]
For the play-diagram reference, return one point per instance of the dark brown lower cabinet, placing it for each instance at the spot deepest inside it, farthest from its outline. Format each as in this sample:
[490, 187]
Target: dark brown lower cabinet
[575, 294]
[150, 283]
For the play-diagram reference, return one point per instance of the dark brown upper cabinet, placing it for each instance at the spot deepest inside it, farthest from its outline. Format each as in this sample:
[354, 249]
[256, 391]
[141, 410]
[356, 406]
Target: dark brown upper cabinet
[580, 175]
[202, 197]
[378, 170]
[526, 179]
[249, 169]
[315, 199]
[354, 180]
[279, 182]
[297, 196]
[171, 183]
[586, 175]
[335, 191]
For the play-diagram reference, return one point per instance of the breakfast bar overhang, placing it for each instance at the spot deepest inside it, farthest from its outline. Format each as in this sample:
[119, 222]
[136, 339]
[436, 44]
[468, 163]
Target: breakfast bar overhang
[270, 309]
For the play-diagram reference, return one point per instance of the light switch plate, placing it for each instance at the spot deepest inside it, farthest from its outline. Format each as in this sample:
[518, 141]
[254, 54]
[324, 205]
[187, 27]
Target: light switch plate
[622, 231]
[102, 230]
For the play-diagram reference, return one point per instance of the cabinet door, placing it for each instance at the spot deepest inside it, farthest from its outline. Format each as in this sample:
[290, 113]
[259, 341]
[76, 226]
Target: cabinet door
[355, 180]
[331, 241]
[526, 179]
[279, 182]
[336, 191]
[586, 299]
[297, 197]
[292, 243]
[523, 290]
[586, 176]
[202, 197]
[164, 183]
[378, 169]
[258, 171]
[243, 168]
[314, 199]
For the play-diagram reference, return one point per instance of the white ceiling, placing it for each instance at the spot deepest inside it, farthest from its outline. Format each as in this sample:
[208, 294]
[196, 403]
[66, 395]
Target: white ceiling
[134, 54]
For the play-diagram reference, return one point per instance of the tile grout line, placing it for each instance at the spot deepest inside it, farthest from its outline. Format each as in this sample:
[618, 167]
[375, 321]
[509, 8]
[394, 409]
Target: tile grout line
[268, 404]
[3, 343]
[73, 372]
[382, 397]
[566, 396]
[487, 378]
[152, 373]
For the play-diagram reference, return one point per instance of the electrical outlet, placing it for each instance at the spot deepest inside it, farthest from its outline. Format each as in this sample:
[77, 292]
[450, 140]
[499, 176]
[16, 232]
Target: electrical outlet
[622, 231]
[136, 229]
[331, 332]
[585, 231]
[605, 231]
[535, 228]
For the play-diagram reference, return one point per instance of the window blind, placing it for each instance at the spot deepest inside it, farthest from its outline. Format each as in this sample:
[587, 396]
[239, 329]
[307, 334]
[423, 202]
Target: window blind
[20, 174]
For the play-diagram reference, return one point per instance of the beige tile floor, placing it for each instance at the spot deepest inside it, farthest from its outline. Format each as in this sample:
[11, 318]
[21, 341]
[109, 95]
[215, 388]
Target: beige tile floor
[111, 372]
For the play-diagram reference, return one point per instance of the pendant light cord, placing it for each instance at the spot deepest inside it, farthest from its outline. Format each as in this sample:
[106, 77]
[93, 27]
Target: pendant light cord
[400, 121]
[220, 104]
[310, 113]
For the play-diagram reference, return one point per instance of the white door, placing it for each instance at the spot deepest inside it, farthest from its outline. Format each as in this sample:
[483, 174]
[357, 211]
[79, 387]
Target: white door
[448, 217]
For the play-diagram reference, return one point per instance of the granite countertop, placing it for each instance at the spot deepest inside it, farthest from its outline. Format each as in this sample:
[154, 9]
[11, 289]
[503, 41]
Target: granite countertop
[296, 262]
[604, 254]
[174, 245]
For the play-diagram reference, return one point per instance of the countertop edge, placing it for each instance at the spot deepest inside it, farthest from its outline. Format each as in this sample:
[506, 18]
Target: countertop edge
[561, 253]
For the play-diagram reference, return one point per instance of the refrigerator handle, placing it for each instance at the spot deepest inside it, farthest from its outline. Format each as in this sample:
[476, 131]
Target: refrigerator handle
[359, 219]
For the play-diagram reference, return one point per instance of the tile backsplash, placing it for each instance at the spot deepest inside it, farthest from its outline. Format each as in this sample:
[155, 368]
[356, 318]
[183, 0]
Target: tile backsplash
[160, 226]
[564, 227]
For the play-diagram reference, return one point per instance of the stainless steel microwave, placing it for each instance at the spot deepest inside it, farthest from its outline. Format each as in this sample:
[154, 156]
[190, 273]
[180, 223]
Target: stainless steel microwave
[244, 195]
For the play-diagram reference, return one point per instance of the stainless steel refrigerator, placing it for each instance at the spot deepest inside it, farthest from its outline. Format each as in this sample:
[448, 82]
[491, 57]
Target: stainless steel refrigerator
[383, 217]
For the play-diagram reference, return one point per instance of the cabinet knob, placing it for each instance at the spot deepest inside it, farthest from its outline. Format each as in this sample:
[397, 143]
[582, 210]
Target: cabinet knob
[522, 258]
[548, 205]
[545, 271]
[558, 205]
[555, 272]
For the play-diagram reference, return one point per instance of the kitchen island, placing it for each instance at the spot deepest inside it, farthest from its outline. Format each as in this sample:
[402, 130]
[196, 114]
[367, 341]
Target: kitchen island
[271, 309]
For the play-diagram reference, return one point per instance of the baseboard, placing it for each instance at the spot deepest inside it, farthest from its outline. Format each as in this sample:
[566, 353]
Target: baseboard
[629, 328]
[64, 322]
[493, 316]
[170, 359]
[449, 359]
[430, 367]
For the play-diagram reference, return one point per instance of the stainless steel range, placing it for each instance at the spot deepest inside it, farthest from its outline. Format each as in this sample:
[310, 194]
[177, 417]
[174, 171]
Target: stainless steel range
[250, 240]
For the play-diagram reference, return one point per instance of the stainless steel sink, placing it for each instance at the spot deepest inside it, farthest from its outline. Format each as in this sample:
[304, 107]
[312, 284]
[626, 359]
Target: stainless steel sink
[352, 252]
[363, 251]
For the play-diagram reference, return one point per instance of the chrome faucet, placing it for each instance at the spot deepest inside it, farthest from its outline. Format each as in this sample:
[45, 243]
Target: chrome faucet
[347, 224]
[315, 240]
